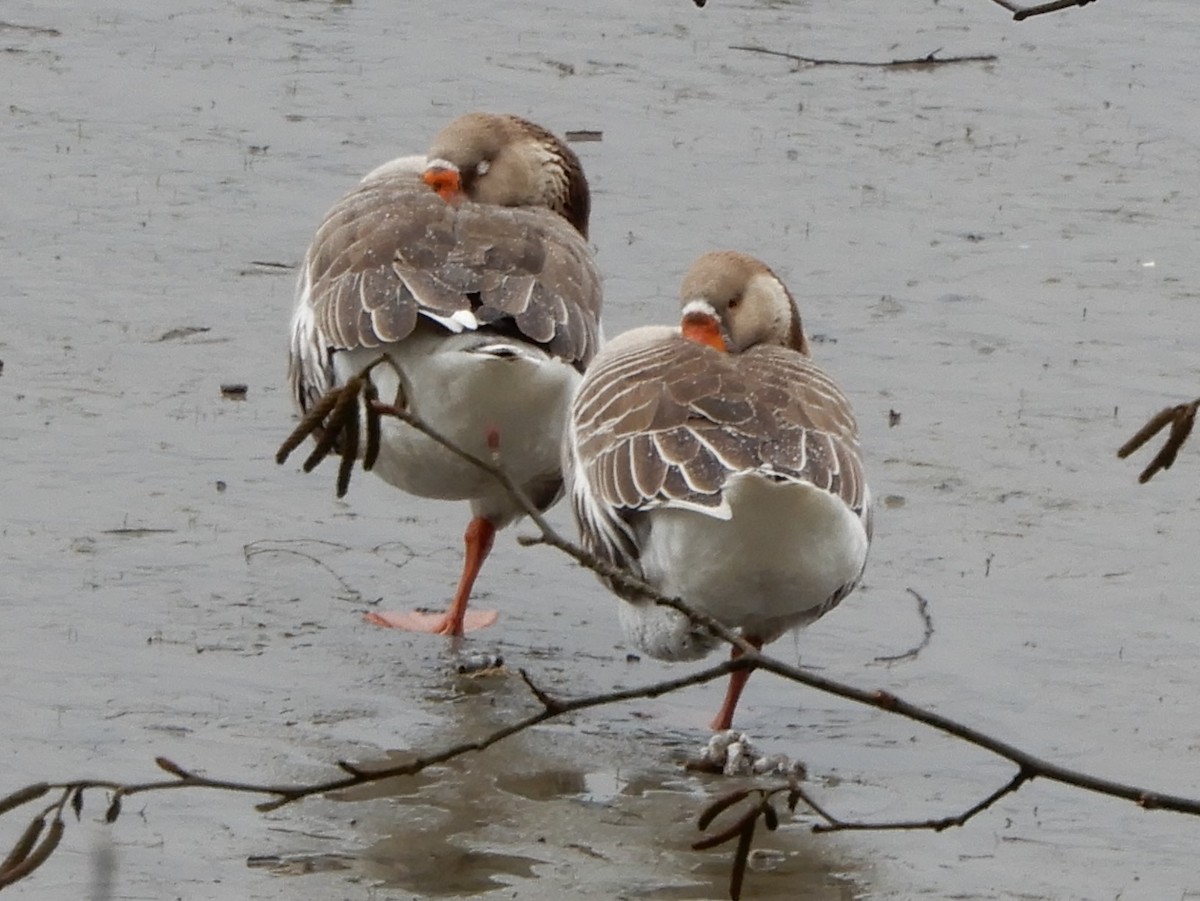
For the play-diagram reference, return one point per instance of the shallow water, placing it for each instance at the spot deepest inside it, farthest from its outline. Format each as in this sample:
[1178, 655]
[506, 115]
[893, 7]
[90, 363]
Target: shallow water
[998, 252]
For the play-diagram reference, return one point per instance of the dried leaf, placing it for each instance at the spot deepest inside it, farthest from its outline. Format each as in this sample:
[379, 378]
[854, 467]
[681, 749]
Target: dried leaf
[347, 401]
[740, 856]
[38, 857]
[312, 421]
[729, 834]
[114, 809]
[1185, 418]
[770, 817]
[794, 797]
[23, 796]
[77, 803]
[24, 844]
[171, 767]
[371, 395]
[349, 451]
[713, 810]
[1148, 431]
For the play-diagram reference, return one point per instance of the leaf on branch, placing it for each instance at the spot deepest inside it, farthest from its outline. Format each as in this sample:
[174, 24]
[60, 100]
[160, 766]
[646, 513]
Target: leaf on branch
[349, 449]
[713, 810]
[334, 421]
[312, 421]
[39, 855]
[1181, 418]
[23, 796]
[171, 767]
[770, 817]
[24, 844]
[114, 809]
[740, 857]
[371, 454]
[729, 834]
[77, 803]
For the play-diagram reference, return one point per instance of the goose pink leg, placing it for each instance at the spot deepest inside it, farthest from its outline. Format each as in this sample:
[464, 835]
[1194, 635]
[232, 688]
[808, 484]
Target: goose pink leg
[737, 681]
[456, 620]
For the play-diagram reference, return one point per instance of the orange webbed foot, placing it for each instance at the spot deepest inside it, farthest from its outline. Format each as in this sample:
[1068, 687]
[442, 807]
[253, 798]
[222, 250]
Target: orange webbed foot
[435, 623]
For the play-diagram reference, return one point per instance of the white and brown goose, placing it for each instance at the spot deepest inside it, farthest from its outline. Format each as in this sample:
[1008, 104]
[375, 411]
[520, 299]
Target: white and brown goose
[719, 463]
[469, 268]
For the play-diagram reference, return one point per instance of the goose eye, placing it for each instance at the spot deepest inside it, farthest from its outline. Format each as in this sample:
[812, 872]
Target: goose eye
[735, 303]
[482, 168]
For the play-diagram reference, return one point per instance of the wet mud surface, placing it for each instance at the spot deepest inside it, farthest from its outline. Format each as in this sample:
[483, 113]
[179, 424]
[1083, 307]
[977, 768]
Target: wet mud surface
[1002, 253]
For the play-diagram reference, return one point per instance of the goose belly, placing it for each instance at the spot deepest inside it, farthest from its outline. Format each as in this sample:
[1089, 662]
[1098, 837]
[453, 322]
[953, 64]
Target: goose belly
[773, 565]
[522, 398]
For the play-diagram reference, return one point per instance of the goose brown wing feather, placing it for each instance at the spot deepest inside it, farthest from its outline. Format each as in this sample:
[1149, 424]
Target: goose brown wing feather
[391, 250]
[684, 419]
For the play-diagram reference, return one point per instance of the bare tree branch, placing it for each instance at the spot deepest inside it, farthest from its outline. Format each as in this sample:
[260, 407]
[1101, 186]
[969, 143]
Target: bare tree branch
[1019, 12]
[928, 61]
[1024, 12]
[37, 843]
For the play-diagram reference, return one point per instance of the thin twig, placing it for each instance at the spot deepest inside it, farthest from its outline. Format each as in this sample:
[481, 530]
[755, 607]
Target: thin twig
[286, 794]
[833, 824]
[926, 621]
[921, 62]
[1024, 12]
[1019, 12]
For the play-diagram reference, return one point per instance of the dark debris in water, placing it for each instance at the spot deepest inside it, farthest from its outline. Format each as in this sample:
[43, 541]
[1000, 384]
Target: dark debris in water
[42, 30]
[299, 864]
[480, 665]
[184, 331]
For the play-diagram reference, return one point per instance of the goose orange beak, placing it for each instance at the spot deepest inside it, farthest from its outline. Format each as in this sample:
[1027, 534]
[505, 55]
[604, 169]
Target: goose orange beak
[446, 182]
[703, 329]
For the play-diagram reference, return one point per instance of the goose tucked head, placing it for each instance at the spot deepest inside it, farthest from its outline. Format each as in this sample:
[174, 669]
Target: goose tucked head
[732, 301]
[508, 161]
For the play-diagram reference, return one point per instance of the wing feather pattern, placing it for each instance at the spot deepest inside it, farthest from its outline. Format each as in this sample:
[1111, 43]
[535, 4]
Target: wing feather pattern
[391, 251]
[667, 422]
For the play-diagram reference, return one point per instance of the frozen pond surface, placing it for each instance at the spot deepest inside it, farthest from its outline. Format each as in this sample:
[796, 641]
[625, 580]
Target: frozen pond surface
[999, 252]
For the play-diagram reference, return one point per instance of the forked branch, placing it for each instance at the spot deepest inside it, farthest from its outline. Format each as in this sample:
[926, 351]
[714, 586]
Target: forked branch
[1024, 12]
[1180, 418]
[1019, 12]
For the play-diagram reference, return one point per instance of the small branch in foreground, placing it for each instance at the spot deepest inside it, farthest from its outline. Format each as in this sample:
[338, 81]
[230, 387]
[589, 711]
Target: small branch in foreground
[339, 411]
[921, 62]
[1028, 765]
[1019, 12]
[926, 621]
[1181, 418]
[1024, 12]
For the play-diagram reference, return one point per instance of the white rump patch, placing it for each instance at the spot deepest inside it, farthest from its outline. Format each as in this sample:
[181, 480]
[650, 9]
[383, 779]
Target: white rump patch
[721, 511]
[458, 321]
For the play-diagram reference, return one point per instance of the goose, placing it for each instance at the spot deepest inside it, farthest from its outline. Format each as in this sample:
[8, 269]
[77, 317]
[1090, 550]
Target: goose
[468, 268]
[717, 462]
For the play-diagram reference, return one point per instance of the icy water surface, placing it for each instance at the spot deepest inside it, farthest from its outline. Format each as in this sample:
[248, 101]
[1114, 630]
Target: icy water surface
[999, 252]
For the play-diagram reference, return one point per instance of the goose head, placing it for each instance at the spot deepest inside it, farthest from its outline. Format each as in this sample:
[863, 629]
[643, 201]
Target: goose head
[732, 301]
[508, 161]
